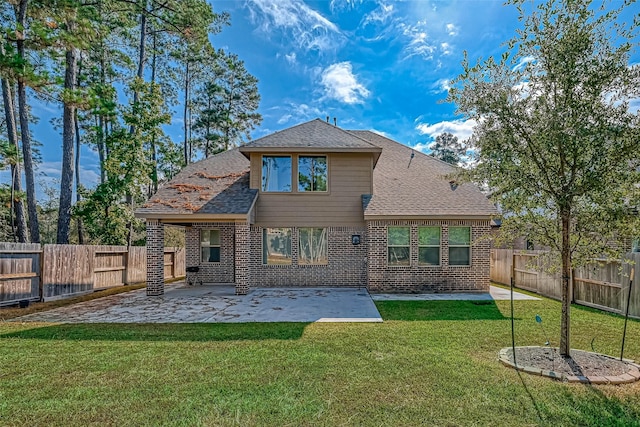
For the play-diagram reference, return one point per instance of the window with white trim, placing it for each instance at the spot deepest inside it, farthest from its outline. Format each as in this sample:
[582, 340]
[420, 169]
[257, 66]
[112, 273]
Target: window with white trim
[399, 246]
[312, 244]
[429, 245]
[276, 173]
[312, 173]
[276, 246]
[459, 245]
[210, 245]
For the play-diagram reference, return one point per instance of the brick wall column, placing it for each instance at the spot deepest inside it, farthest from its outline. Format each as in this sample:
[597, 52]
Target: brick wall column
[155, 258]
[242, 252]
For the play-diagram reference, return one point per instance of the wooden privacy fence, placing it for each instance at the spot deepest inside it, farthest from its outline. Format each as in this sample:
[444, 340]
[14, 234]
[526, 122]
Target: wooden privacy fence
[601, 284]
[29, 272]
[20, 272]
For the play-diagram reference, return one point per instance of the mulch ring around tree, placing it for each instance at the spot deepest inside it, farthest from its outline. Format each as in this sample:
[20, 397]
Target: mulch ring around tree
[582, 366]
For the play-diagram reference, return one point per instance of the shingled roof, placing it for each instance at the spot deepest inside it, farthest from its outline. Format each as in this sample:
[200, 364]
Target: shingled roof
[406, 186]
[403, 186]
[216, 185]
[313, 136]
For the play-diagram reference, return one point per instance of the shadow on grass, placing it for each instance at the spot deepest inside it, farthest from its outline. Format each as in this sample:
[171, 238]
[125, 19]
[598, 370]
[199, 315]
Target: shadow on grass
[164, 332]
[439, 310]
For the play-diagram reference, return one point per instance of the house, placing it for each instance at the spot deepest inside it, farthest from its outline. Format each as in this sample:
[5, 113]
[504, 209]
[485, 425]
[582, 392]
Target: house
[316, 205]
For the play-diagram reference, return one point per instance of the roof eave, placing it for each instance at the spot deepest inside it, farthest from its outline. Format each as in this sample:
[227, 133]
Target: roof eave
[177, 218]
[382, 217]
[266, 150]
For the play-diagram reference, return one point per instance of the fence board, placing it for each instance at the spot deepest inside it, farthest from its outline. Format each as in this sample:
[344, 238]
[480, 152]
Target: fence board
[67, 270]
[137, 271]
[602, 284]
[501, 264]
[179, 262]
[31, 272]
[19, 272]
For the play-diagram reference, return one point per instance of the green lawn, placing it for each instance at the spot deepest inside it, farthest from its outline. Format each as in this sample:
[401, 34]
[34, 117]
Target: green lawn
[429, 363]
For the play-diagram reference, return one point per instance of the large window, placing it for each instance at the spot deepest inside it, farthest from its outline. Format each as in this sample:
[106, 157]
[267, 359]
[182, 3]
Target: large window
[276, 173]
[210, 245]
[459, 245]
[429, 245]
[312, 173]
[313, 246]
[276, 246]
[399, 245]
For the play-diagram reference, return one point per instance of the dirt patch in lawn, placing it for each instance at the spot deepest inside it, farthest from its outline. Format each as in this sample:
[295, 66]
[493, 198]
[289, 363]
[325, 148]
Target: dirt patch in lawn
[581, 366]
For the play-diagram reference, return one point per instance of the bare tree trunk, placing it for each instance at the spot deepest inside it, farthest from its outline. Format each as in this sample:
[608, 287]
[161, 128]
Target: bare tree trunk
[565, 330]
[19, 226]
[68, 142]
[153, 187]
[136, 98]
[27, 156]
[100, 144]
[77, 171]
[187, 151]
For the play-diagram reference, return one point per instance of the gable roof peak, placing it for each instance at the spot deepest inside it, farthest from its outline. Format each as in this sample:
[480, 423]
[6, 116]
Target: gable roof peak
[314, 135]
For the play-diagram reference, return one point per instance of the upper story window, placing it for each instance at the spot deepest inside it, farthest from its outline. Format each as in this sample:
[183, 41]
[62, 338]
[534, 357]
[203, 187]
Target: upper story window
[312, 173]
[276, 173]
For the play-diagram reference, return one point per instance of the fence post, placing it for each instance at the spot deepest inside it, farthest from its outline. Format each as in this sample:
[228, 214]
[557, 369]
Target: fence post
[126, 266]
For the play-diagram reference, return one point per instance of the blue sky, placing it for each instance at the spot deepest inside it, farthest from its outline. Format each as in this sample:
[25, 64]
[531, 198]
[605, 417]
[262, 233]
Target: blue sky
[376, 65]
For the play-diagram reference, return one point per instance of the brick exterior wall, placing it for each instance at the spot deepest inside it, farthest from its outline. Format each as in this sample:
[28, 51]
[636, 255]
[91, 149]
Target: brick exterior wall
[155, 258]
[417, 278]
[211, 272]
[349, 265]
[242, 256]
[346, 265]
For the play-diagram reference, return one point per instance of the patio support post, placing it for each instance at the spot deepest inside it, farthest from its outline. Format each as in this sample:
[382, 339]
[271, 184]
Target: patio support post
[155, 258]
[242, 250]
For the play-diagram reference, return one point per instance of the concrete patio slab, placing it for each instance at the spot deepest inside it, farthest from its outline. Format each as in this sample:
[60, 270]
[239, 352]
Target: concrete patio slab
[495, 294]
[218, 304]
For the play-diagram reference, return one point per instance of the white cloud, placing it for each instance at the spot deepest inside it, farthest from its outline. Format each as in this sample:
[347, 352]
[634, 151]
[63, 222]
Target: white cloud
[445, 48]
[423, 147]
[523, 62]
[341, 84]
[52, 170]
[419, 43]
[380, 132]
[379, 15]
[634, 105]
[284, 119]
[293, 112]
[463, 129]
[307, 28]
[291, 58]
[339, 5]
[452, 30]
[442, 85]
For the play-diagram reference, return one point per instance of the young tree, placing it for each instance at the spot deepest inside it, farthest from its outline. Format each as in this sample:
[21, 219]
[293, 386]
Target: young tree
[556, 140]
[448, 149]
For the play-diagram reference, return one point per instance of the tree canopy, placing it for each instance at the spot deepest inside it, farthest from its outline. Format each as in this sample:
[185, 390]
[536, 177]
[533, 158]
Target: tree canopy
[115, 69]
[448, 149]
[557, 140]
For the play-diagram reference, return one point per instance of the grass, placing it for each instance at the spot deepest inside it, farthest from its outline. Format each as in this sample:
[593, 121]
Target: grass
[429, 363]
